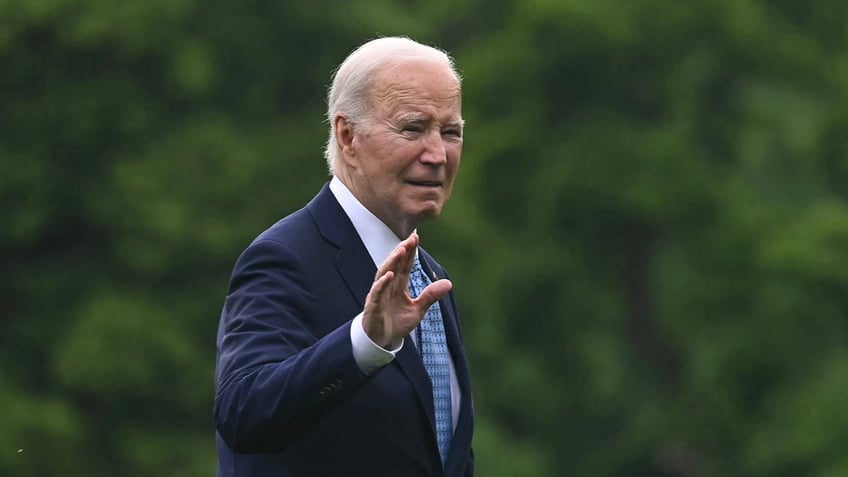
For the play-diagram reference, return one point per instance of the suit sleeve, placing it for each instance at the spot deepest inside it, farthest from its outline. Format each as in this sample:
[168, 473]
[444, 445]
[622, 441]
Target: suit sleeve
[275, 379]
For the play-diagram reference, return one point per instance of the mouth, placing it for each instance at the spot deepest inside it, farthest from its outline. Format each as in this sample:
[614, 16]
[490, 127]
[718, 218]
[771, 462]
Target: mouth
[429, 184]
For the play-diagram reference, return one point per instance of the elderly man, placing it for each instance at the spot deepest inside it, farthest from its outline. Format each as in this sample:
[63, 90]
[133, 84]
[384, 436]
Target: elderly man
[339, 347]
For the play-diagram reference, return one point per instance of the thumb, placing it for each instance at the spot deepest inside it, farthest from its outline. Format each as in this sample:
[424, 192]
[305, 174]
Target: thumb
[433, 293]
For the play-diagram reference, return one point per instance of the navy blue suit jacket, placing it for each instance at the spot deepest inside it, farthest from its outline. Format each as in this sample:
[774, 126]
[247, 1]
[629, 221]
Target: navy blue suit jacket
[290, 399]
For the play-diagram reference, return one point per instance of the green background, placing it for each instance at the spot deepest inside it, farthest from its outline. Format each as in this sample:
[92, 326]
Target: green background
[648, 236]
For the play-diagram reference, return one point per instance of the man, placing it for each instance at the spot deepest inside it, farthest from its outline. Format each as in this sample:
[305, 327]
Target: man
[339, 348]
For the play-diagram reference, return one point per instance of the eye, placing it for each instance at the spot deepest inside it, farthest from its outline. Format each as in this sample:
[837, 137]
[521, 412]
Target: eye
[452, 133]
[412, 128]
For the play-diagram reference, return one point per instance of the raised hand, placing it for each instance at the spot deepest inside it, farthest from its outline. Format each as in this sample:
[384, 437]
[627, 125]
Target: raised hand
[390, 313]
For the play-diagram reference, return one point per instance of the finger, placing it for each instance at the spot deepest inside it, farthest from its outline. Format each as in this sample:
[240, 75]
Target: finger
[412, 240]
[400, 259]
[376, 327]
[394, 262]
[379, 286]
[411, 244]
[433, 293]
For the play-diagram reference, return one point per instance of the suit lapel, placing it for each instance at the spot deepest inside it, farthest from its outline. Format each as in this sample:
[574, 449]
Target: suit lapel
[352, 261]
[357, 269]
[410, 363]
[451, 326]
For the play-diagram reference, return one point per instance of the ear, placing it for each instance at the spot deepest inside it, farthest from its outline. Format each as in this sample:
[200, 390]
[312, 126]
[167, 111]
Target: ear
[344, 138]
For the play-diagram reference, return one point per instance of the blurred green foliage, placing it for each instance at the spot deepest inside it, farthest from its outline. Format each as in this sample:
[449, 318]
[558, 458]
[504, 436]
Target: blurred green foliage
[648, 237]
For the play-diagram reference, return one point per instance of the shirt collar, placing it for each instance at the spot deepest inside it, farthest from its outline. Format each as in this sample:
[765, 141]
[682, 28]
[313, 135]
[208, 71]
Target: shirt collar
[378, 238]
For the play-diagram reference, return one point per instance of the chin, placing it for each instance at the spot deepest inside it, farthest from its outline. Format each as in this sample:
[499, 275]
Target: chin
[422, 209]
[428, 213]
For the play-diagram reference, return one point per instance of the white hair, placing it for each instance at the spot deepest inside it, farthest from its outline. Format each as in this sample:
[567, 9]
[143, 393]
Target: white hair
[352, 80]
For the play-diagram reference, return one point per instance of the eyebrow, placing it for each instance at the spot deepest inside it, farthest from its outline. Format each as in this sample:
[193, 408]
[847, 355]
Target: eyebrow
[420, 118]
[412, 118]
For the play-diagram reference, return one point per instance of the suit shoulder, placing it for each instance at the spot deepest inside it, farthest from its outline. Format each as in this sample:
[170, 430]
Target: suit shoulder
[290, 231]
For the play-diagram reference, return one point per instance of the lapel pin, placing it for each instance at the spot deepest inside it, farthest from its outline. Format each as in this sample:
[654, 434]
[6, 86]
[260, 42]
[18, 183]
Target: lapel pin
[434, 276]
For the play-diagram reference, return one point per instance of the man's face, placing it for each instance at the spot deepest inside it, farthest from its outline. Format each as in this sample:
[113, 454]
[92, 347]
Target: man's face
[405, 155]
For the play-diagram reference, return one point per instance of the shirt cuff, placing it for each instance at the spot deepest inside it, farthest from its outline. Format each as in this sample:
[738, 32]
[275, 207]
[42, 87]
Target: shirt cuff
[369, 355]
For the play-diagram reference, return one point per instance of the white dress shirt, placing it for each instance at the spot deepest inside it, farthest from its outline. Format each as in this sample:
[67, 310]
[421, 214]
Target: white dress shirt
[379, 240]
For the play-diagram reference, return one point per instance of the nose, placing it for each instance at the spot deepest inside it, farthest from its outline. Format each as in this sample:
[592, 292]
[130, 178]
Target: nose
[434, 152]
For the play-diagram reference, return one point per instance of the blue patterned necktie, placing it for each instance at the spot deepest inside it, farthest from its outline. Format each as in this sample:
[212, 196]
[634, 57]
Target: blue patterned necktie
[433, 347]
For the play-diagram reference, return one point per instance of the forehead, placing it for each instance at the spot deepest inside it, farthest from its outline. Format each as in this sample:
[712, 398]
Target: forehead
[418, 86]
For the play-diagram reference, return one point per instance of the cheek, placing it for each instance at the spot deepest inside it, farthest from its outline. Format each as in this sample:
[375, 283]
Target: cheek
[454, 159]
[454, 149]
